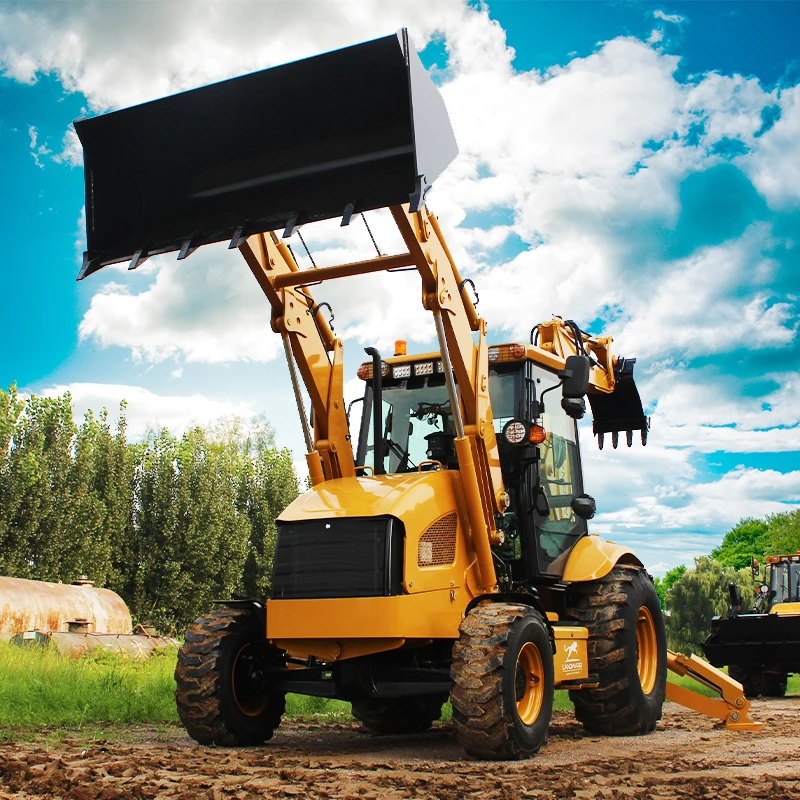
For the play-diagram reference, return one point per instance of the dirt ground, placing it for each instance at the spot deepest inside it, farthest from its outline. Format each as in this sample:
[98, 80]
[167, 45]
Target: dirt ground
[686, 758]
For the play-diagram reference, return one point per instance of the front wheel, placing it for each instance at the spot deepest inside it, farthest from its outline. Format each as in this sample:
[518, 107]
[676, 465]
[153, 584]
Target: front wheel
[222, 692]
[502, 682]
[627, 650]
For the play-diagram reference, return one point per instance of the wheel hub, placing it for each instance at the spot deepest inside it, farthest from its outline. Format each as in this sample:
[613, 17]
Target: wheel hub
[528, 683]
[647, 646]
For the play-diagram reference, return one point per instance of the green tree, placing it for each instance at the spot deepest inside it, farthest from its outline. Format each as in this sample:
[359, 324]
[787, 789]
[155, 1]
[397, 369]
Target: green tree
[747, 539]
[698, 595]
[783, 535]
[663, 585]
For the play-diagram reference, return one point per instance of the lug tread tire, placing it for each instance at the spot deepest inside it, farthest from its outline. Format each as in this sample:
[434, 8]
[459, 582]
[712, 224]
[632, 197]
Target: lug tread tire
[484, 725]
[205, 701]
[749, 677]
[773, 684]
[403, 715]
[609, 607]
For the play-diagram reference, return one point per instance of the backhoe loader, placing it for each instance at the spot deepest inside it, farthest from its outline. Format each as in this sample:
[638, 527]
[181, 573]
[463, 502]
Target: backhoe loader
[761, 645]
[443, 551]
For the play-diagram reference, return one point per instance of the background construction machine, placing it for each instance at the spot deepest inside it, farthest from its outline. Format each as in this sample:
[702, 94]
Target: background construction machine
[761, 646]
[447, 554]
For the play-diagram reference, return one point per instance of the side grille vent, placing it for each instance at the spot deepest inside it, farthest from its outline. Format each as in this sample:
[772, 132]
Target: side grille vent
[437, 546]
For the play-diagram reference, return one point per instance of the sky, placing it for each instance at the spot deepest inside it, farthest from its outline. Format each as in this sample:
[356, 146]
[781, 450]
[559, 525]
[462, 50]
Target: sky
[631, 165]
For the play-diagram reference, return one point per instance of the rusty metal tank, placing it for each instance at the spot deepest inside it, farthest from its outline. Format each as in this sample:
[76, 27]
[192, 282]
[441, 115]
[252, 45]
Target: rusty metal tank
[138, 645]
[37, 605]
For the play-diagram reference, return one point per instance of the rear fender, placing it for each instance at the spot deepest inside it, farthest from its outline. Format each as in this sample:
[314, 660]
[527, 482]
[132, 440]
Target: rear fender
[593, 558]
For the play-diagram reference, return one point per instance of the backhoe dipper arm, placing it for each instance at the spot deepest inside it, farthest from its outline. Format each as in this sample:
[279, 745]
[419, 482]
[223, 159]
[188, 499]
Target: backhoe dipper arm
[614, 398]
[557, 337]
[294, 315]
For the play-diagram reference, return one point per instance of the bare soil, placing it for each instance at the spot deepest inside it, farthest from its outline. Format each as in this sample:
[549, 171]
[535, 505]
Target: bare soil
[687, 757]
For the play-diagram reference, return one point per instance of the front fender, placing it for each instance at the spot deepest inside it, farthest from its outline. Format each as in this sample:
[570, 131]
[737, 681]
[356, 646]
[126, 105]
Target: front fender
[593, 558]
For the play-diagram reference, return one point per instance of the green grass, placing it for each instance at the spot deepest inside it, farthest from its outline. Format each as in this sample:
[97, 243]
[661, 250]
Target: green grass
[41, 690]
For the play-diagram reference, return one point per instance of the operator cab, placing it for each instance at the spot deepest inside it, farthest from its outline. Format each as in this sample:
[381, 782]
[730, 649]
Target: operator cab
[542, 475]
[784, 580]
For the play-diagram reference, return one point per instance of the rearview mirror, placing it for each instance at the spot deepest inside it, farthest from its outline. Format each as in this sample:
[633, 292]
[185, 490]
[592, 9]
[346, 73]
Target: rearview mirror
[575, 377]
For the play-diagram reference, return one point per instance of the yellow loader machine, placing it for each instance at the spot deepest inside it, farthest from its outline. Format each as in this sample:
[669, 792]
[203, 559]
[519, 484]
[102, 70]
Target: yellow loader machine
[442, 552]
[761, 646]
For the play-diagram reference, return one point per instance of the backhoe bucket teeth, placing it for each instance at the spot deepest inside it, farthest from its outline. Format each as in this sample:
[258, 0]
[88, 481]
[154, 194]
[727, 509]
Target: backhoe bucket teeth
[621, 410]
[348, 131]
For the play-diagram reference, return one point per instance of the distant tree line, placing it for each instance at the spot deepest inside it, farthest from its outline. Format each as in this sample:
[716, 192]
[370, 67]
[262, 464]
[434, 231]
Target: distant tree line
[693, 596]
[170, 523]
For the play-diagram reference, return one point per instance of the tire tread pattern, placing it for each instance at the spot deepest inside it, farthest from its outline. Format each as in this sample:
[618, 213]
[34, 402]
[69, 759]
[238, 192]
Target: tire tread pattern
[479, 718]
[198, 676]
[612, 708]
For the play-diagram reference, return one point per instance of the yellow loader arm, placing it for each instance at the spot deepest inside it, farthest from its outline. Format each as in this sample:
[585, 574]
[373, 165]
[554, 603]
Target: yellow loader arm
[309, 342]
[732, 707]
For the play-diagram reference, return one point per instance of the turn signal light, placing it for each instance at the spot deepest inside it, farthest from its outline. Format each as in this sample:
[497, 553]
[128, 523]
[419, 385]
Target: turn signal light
[537, 434]
[365, 371]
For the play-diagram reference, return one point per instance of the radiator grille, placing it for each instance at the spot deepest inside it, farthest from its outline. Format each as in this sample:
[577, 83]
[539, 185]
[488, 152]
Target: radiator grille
[347, 557]
[437, 545]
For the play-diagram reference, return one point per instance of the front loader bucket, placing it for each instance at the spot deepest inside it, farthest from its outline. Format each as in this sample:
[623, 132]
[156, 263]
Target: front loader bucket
[328, 136]
[621, 410]
[755, 640]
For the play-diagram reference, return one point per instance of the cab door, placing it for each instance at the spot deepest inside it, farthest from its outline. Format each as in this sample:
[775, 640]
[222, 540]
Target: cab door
[560, 477]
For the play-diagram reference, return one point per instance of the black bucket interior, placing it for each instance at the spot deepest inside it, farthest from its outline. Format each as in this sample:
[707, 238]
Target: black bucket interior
[620, 411]
[297, 143]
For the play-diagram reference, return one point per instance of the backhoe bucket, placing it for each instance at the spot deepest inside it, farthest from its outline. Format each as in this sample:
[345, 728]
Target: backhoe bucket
[621, 410]
[325, 137]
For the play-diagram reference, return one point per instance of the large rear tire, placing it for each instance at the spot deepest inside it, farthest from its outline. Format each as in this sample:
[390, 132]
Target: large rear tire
[503, 682]
[221, 693]
[399, 715]
[627, 651]
[773, 684]
[749, 677]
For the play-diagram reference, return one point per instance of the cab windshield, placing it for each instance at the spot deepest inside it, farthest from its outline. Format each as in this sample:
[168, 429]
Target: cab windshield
[418, 420]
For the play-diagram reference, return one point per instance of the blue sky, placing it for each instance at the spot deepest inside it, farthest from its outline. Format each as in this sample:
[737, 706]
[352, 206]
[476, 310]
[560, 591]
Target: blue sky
[631, 165]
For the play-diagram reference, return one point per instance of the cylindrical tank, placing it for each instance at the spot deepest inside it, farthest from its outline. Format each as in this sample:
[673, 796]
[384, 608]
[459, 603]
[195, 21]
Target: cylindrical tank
[37, 605]
[135, 645]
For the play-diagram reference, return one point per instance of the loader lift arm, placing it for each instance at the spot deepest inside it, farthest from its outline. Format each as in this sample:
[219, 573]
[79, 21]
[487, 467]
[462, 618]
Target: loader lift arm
[444, 294]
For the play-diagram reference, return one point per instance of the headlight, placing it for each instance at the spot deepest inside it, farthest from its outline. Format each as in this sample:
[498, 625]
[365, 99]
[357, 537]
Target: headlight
[401, 371]
[515, 431]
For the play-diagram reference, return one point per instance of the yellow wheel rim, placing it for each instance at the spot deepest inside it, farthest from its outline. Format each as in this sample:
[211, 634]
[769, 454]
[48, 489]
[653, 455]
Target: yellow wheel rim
[529, 683]
[250, 703]
[647, 646]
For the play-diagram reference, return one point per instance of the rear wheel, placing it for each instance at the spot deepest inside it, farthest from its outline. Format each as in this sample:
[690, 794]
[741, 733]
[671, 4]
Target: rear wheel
[749, 677]
[627, 652]
[773, 684]
[222, 693]
[503, 682]
[399, 715]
